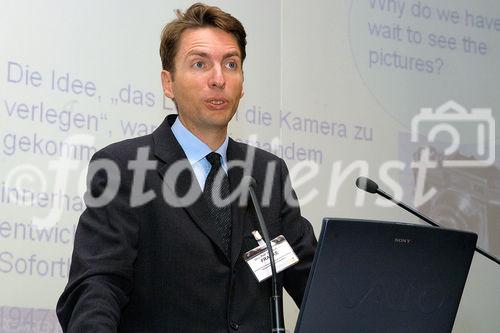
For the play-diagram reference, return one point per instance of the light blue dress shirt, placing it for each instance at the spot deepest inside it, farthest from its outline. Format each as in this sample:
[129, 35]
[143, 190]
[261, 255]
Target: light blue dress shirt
[196, 150]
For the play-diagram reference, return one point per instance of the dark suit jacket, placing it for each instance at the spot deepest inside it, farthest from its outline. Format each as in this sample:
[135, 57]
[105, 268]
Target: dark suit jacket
[160, 268]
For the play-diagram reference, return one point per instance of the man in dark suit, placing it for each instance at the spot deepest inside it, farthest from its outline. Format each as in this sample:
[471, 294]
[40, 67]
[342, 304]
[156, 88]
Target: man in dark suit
[159, 249]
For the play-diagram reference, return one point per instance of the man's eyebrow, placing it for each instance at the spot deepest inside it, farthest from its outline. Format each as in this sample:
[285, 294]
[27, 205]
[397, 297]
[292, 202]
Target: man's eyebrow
[202, 54]
[197, 53]
[232, 54]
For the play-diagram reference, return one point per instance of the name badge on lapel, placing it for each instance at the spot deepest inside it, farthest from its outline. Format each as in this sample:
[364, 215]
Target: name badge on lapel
[258, 258]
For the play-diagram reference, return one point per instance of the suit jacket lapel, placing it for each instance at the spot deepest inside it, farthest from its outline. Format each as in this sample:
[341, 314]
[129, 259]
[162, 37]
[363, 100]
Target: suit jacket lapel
[167, 149]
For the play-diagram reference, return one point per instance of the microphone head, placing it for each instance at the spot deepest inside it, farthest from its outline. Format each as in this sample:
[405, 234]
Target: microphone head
[249, 181]
[366, 184]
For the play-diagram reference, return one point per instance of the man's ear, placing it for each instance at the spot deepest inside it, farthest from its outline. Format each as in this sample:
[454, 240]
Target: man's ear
[242, 89]
[166, 82]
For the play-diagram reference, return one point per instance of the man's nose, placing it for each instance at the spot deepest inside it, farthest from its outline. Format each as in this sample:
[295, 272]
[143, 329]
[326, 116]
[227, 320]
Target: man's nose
[217, 79]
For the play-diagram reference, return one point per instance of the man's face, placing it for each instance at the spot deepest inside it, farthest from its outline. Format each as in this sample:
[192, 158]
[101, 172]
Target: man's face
[207, 83]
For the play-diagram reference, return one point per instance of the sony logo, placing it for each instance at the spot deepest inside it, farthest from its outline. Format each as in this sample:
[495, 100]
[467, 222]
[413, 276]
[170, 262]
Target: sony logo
[402, 240]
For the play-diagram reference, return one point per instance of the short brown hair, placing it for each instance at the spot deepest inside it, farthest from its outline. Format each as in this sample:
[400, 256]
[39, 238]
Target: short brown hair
[198, 16]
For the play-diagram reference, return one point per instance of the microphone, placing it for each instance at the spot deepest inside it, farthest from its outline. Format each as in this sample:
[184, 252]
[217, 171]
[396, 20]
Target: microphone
[278, 322]
[368, 185]
[250, 181]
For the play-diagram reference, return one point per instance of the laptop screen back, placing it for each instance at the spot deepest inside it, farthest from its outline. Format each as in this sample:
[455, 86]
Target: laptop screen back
[371, 276]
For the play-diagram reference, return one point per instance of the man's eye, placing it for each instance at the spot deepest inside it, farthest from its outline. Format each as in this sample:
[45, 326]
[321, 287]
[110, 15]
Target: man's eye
[232, 65]
[199, 65]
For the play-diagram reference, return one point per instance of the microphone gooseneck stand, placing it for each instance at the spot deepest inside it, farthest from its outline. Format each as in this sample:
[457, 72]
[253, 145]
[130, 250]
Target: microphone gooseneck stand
[278, 323]
[368, 185]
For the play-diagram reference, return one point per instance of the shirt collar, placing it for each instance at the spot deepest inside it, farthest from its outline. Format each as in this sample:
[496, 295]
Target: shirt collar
[194, 148]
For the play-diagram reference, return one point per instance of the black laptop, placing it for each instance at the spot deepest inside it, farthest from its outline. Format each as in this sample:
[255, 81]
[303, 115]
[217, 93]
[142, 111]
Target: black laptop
[372, 276]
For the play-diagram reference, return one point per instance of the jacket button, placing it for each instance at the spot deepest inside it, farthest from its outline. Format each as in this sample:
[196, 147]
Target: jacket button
[234, 325]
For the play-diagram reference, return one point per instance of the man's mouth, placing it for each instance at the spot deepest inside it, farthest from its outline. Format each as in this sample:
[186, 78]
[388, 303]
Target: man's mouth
[216, 101]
